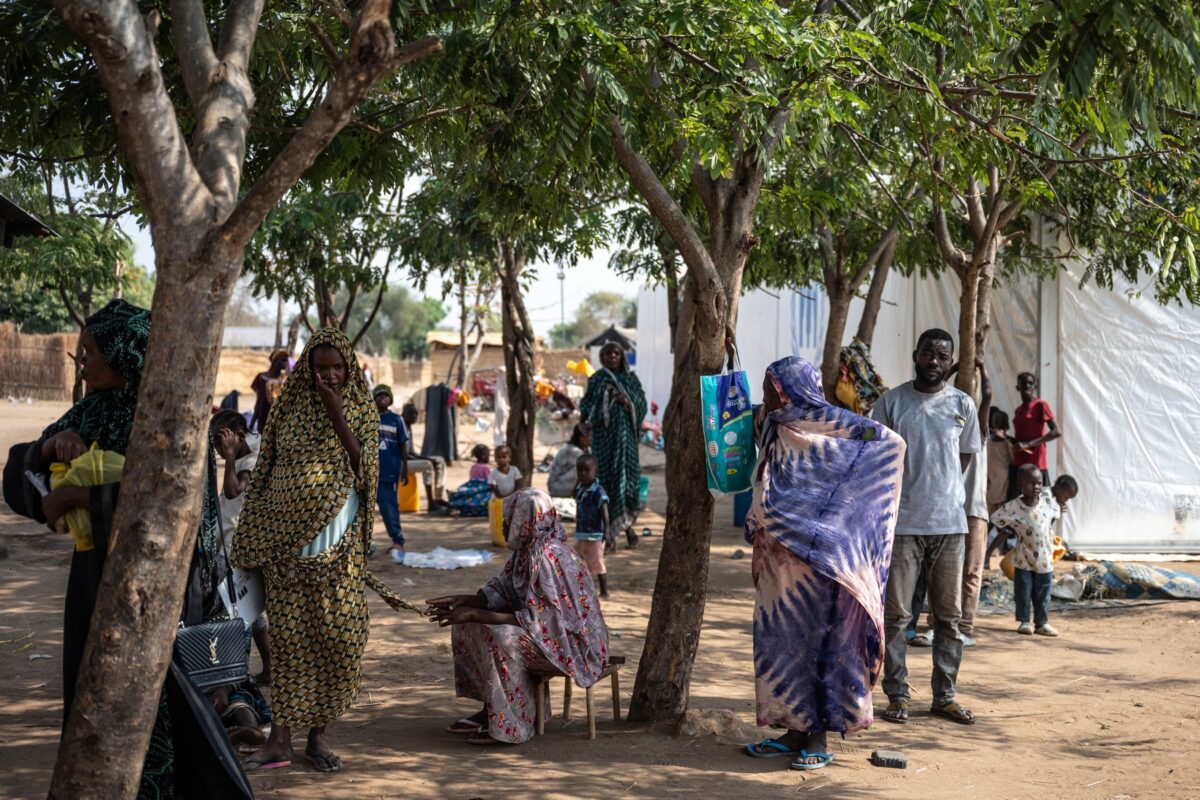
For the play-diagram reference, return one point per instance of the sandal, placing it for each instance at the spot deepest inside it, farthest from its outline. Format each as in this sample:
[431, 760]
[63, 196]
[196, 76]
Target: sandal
[253, 764]
[770, 748]
[897, 712]
[483, 739]
[464, 725]
[323, 762]
[954, 712]
[799, 763]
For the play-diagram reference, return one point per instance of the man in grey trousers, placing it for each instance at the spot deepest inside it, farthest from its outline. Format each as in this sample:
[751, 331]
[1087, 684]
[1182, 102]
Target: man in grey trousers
[940, 425]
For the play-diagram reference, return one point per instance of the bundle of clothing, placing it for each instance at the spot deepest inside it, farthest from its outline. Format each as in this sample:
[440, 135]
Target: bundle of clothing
[859, 385]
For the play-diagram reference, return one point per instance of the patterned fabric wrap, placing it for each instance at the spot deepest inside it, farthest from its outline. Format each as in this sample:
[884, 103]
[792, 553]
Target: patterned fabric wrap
[494, 664]
[615, 432]
[548, 587]
[317, 604]
[121, 331]
[856, 367]
[826, 492]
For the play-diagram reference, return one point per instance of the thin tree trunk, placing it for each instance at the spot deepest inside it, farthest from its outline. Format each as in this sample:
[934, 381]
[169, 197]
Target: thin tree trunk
[518, 360]
[968, 315]
[835, 329]
[482, 304]
[870, 315]
[293, 335]
[462, 331]
[278, 321]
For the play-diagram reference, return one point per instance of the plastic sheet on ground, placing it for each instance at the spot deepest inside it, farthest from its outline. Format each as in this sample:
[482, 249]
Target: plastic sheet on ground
[441, 558]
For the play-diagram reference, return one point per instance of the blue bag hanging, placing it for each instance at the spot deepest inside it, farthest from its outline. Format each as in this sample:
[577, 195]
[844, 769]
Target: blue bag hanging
[728, 431]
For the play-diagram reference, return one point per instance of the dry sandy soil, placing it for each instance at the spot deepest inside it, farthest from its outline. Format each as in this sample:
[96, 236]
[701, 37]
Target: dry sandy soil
[1110, 710]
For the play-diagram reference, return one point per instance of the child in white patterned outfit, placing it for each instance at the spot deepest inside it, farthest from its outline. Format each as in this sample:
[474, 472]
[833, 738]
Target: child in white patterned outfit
[1031, 518]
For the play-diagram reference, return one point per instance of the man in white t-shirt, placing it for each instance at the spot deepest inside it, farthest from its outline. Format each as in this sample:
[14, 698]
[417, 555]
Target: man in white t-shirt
[941, 428]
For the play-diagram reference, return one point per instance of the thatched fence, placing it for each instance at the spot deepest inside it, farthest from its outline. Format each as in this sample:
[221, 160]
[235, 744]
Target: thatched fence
[36, 366]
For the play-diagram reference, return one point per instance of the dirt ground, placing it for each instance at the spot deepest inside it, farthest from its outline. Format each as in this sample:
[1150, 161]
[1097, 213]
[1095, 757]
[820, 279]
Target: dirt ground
[1109, 710]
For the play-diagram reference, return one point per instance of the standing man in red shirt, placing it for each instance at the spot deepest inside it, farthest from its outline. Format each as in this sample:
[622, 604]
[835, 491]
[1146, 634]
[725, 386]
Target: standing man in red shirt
[1033, 426]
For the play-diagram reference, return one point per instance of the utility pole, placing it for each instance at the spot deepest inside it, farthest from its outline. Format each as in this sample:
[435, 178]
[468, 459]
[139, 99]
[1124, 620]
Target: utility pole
[562, 294]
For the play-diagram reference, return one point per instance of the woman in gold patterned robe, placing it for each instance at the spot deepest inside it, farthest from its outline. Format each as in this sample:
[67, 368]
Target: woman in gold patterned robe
[307, 524]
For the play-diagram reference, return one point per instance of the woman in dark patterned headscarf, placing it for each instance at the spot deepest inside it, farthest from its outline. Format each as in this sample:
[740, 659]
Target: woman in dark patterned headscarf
[114, 344]
[307, 524]
[615, 406]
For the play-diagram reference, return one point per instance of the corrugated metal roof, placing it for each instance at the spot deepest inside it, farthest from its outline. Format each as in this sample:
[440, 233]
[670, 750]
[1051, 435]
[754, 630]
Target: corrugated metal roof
[19, 222]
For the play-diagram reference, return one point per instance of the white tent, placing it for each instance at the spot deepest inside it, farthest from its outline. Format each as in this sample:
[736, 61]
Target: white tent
[1121, 372]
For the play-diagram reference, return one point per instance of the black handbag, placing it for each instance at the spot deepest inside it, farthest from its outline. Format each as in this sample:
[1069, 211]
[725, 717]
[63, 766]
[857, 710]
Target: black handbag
[215, 654]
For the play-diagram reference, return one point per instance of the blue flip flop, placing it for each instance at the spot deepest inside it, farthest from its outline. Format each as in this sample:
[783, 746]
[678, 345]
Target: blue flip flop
[826, 760]
[770, 748]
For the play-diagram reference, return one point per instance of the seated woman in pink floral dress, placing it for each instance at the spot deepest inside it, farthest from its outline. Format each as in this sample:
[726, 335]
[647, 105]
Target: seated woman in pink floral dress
[540, 614]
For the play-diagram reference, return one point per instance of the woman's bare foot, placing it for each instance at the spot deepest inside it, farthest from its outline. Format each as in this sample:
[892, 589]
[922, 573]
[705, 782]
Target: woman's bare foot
[817, 743]
[319, 753]
[277, 752]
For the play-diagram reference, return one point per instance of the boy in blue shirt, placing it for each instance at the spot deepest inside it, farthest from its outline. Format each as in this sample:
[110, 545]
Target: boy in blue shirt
[393, 467]
[591, 520]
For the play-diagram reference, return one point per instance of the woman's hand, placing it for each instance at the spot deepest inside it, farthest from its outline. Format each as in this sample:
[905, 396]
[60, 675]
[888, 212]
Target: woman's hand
[331, 398]
[64, 499]
[449, 602]
[458, 615]
[64, 446]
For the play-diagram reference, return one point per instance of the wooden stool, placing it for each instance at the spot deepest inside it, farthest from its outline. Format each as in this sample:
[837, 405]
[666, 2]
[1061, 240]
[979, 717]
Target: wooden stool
[541, 695]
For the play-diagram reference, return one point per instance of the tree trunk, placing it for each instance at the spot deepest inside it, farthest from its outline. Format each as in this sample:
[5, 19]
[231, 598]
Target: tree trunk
[293, 335]
[870, 315]
[462, 331]
[278, 321]
[968, 309]
[141, 591]
[677, 611]
[835, 329]
[518, 360]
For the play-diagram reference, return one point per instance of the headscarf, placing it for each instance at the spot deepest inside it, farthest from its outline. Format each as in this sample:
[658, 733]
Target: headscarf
[549, 589]
[620, 381]
[105, 417]
[828, 485]
[303, 477]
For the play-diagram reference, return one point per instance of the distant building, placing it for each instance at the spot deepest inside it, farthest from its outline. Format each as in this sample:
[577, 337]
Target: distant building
[625, 338]
[16, 221]
[256, 337]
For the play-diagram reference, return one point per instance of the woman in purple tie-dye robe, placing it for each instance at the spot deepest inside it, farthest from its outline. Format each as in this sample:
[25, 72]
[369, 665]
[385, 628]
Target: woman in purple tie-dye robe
[825, 495]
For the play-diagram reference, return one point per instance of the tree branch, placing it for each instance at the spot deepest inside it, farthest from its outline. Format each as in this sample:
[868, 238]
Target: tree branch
[193, 47]
[239, 31]
[372, 56]
[374, 309]
[128, 65]
[663, 206]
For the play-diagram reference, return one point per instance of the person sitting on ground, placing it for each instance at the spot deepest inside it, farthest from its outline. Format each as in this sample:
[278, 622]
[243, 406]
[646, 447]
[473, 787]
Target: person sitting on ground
[1033, 426]
[239, 447]
[1031, 518]
[562, 480]
[593, 534]
[1000, 453]
[432, 468]
[393, 468]
[471, 499]
[539, 615]
[821, 526]
[504, 478]
[267, 386]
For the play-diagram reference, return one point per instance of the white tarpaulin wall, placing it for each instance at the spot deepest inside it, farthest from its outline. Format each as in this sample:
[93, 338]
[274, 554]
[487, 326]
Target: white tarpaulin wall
[1122, 375]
